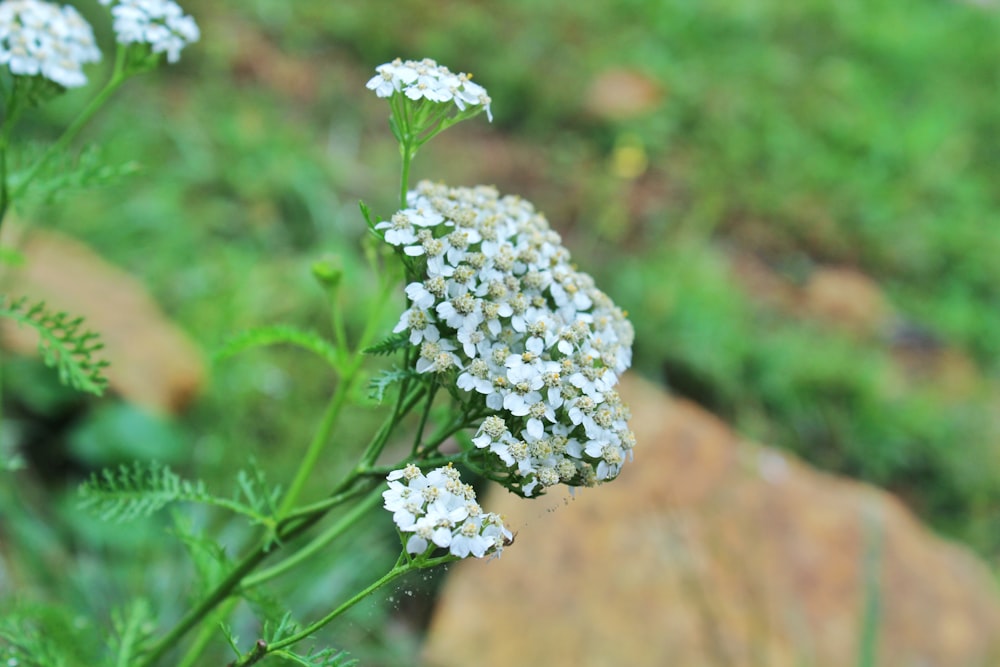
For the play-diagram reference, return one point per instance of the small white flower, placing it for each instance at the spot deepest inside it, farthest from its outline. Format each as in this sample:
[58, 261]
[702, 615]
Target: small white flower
[534, 340]
[420, 325]
[440, 511]
[426, 80]
[43, 39]
[161, 24]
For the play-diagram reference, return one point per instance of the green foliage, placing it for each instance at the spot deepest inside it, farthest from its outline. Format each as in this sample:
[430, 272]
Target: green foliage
[140, 490]
[206, 555]
[328, 657]
[390, 344]
[66, 175]
[132, 625]
[278, 334]
[63, 343]
[385, 379]
[275, 631]
[806, 133]
[40, 635]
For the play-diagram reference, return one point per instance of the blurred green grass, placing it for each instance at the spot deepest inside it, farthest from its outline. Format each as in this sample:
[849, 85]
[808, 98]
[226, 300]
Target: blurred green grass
[805, 135]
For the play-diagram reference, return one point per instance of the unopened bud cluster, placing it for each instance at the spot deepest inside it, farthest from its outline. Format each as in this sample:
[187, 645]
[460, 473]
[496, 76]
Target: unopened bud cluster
[500, 306]
[439, 511]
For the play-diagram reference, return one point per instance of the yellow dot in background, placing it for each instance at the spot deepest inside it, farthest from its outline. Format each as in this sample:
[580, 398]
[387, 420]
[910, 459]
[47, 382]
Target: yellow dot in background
[628, 159]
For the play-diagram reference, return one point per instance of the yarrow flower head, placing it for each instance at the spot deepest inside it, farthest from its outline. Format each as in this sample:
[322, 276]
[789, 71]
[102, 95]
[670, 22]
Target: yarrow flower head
[426, 80]
[161, 24]
[527, 335]
[43, 39]
[439, 511]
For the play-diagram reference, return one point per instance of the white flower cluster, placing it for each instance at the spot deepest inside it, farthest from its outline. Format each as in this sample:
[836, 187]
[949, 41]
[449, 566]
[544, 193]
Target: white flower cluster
[160, 23]
[425, 79]
[41, 38]
[501, 304]
[439, 509]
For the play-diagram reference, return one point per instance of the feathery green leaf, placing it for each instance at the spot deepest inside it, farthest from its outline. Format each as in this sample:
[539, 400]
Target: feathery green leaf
[133, 627]
[140, 490]
[385, 379]
[325, 658]
[65, 174]
[274, 335]
[389, 345]
[63, 343]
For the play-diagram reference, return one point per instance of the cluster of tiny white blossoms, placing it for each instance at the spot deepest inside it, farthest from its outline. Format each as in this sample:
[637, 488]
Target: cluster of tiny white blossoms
[160, 23]
[501, 306]
[425, 79]
[439, 509]
[43, 39]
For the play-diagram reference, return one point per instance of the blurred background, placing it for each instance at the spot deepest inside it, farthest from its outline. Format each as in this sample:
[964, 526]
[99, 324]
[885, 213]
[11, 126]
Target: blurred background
[796, 202]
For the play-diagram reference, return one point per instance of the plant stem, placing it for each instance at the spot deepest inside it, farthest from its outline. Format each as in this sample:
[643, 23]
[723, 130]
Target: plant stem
[319, 441]
[224, 589]
[423, 418]
[332, 533]
[10, 117]
[404, 182]
[205, 635]
[217, 596]
[118, 77]
[404, 404]
[401, 568]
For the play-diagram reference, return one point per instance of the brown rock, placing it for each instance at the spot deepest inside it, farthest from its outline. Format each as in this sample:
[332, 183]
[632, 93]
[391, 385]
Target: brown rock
[712, 551]
[618, 94]
[847, 299]
[153, 363]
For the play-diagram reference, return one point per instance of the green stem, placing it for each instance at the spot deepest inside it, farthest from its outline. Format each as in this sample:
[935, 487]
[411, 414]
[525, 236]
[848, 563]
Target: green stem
[118, 77]
[205, 635]
[225, 588]
[319, 441]
[404, 404]
[423, 418]
[216, 597]
[404, 182]
[11, 112]
[329, 535]
[333, 500]
[402, 567]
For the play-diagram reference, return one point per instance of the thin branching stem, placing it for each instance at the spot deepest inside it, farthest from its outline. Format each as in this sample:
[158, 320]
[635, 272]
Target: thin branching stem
[118, 77]
[320, 541]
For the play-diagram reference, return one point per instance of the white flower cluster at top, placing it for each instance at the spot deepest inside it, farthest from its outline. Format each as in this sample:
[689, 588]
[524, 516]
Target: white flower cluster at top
[425, 79]
[160, 23]
[439, 509]
[41, 38]
[502, 305]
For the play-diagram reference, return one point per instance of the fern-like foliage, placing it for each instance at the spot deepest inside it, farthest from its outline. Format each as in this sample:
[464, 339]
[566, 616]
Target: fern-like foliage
[325, 658]
[133, 626]
[278, 334]
[252, 484]
[65, 174]
[63, 343]
[329, 657]
[389, 345]
[22, 645]
[46, 635]
[385, 379]
[207, 556]
[131, 492]
[275, 632]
